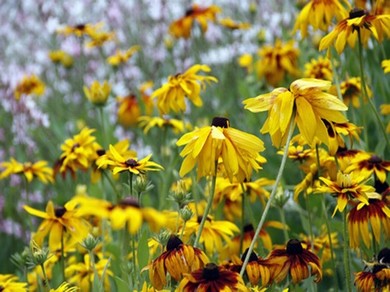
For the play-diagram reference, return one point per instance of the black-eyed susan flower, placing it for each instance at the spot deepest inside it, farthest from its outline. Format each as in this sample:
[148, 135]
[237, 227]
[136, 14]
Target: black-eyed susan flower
[79, 30]
[346, 31]
[171, 96]
[128, 213]
[386, 66]
[295, 261]
[79, 152]
[119, 162]
[65, 287]
[347, 187]
[370, 164]
[148, 122]
[233, 25]
[122, 147]
[10, 283]
[238, 150]
[30, 84]
[311, 103]
[320, 68]
[99, 38]
[59, 223]
[61, 57]
[98, 93]
[181, 28]
[276, 61]
[82, 274]
[121, 57]
[129, 110]
[212, 278]
[179, 258]
[30, 170]
[351, 90]
[319, 14]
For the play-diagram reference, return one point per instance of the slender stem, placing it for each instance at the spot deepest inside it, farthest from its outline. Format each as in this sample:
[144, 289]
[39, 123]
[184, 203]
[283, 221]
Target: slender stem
[370, 102]
[242, 216]
[46, 282]
[272, 196]
[130, 184]
[283, 219]
[347, 259]
[101, 113]
[308, 210]
[208, 207]
[118, 195]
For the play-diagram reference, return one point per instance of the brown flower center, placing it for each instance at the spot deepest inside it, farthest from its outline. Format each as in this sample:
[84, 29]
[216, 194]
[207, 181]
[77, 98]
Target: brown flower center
[131, 163]
[357, 12]
[100, 152]
[59, 211]
[210, 272]
[294, 247]
[384, 256]
[220, 122]
[129, 201]
[375, 160]
[248, 228]
[173, 242]
[252, 258]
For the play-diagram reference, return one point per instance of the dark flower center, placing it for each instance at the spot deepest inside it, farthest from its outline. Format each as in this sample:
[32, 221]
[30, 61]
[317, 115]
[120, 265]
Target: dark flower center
[248, 228]
[378, 268]
[59, 211]
[101, 152]
[129, 201]
[189, 12]
[1, 288]
[210, 272]
[220, 122]
[294, 247]
[173, 242]
[131, 163]
[380, 187]
[252, 258]
[384, 256]
[356, 13]
[375, 160]
[75, 146]
[80, 26]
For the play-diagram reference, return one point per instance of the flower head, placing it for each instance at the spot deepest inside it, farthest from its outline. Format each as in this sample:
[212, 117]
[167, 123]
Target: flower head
[98, 93]
[121, 57]
[351, 89]
[65, 287]
[238, 150]
[30, 170]
[9, 283]
[233, 25]
[386, 66]
[128, 110]
[312, 104]
[320, 68]
[370, 164]
[61, 57]
[147, 123]
[171, 96]
[29, 85]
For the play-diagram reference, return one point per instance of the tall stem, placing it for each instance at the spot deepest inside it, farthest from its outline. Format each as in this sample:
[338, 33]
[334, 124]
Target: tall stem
[272, 196]
[346, 255]
[208, 207]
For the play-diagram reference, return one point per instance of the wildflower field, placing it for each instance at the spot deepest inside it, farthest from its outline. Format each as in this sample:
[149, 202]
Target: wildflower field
[159, 145]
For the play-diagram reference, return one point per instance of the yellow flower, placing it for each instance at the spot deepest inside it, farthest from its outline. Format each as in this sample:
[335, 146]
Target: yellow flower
[179, 258]
[99, 38]
[9, 283]
[65, 287]
[128, 110]
[121, 57]
[319, 14]
[171, 96]
[312, 106]
[320, 68]
[233, 25]
[61, 57]
[98, 93]
[29, 85]
[277, 60]
[147, 122]
[83, 274]
[79, 30]
[238, 150]
[181, 28]
[348, 187]
[351, 89]
[386, 66]
[246, 61]
[347, 29]
[59, 223]
[368, 164]
[122, 147]
[30, 170]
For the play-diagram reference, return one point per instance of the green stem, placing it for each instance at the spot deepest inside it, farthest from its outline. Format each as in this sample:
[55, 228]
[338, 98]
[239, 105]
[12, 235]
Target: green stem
[272, 196]
[118, 195]
[101, 113]
[370, 102]
[283, 219]
[208, 207]
[346, 255]
[46, 282]
[130, 184]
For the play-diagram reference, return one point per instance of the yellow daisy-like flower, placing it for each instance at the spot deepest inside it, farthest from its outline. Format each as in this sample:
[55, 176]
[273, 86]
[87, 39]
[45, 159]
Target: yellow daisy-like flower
[347, 29]
[368, 164]
[171, 96]
[121, 57]
[59, 222]
[238, 150]
[320, 68]
[347, 187]
[179, 258]
[65, 287]
[30, 170]
[246, 61]
[120, 162]
[29, 85]
[386, 66]
[128, 110]
[233, 25]
[98, 93]
[9, 283]
[351, 89]
[319, 14]
[181, 28]
[277, 60]
[99, 38]
[122, 147]
[61, 57]
[147, 122]
[79, 30]
[312, 105]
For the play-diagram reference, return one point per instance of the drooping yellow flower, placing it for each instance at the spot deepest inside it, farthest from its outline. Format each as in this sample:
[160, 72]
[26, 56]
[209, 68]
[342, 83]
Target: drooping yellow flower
[386, 66]
[233, 25]
[30, 170]
[59, 224]
[29, 85]
[311, 103]
[61, 57]
[98, 93]
[128, 110]
[147, 123]
[319, 14]
[351, 90]
[99, 38]
[10, 283]
[238, 150]
[171, 96]
[347, 29]
[276, 61]
[320, 68]
[121, 57]
[181, 28]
